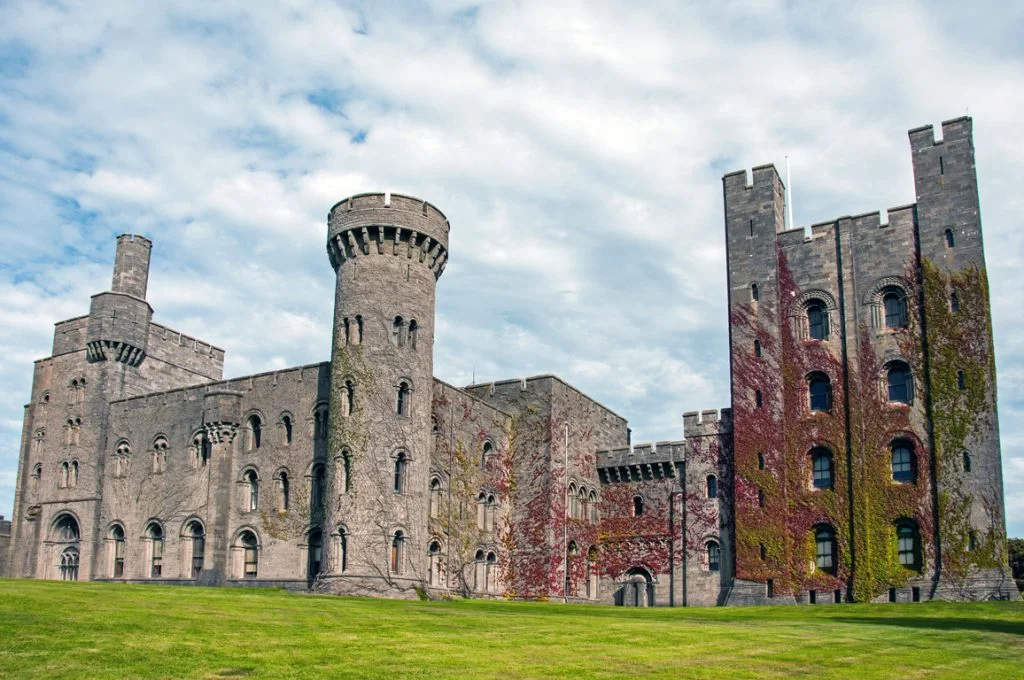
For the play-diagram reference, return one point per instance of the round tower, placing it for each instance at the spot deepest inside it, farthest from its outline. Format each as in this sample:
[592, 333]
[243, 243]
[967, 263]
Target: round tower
[388, 251]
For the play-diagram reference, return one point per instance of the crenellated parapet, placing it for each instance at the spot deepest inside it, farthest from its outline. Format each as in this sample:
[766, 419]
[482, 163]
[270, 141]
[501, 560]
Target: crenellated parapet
[381, 224]
[706, 423]
[641, 462]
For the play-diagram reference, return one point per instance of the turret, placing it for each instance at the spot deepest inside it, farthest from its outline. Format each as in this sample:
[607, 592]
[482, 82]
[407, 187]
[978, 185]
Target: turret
[388, 252]
[119, 319]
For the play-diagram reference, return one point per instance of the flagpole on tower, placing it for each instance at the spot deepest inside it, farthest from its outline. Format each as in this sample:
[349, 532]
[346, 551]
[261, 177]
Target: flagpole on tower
[789, 198]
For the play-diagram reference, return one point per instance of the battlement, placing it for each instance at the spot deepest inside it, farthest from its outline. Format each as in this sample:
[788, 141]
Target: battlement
[955, 130]
[640, 462]
[762, 176]
[171, 337]
[902, 215]
[384, 223]
[240, 385]
[707, 422]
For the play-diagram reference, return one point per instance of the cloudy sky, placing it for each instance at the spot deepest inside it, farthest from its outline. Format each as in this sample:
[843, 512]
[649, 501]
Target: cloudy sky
[576, 147]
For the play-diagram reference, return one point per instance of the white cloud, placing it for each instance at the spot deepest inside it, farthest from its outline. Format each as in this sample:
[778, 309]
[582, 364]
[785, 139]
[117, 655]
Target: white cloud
[577, 152]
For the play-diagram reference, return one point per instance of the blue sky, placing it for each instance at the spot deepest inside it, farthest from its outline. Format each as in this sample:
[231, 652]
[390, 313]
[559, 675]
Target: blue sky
[576, 147]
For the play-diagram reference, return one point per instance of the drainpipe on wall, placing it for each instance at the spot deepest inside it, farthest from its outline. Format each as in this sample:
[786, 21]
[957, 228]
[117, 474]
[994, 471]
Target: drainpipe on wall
[565, 522]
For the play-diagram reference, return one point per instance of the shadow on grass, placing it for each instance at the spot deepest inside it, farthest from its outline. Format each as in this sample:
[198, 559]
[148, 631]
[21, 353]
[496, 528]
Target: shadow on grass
[939, 623]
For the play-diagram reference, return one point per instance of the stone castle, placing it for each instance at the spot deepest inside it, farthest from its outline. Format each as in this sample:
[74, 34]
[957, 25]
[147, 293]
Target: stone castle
[859, 461]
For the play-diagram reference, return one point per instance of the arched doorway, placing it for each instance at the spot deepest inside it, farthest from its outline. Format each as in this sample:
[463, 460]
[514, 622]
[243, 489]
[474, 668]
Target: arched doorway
[637, 589]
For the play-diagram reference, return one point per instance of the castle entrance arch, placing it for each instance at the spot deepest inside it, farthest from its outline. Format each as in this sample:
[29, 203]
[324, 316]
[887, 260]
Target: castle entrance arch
[637, 589]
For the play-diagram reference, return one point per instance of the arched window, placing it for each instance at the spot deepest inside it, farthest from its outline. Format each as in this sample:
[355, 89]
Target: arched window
[712, 486]
[68, 567]
[481, 510]
[122, 456]
[434, 566]
[73, 474]
[760, 460]
[817, 320]
[286, 427]
[283, 491]
[755, 292]
[397, 548]
[398, 332]
[491, 575]
[900, 383]
[315, 548]
[402, 407]
[907, 545]
[65, 530]
[200, 450]
[954, 301]
[401, 463]
[37, 441]
[967, 461]
[895, 305]
[159, 454]
[950, 242]
[592, 503]
[250, 554]
[757, 348]
[713, 555]
[435, 497]
[196, 537]
[320, 412]
[581, 503]
[825, 548]
[156, 549]
[359, 329]
[345, 472]
[37, 476]
[65, 471]
[902, 461]
[253, 432]
[479, 571]
[638, 506]
[348, 398]
[819, 391]
[348, 330]
[592, 573]
[342, 549]
[252, 488]
[316, 488]
[821, 468]
[490, 508]
[486, 452]
[117, 547]
[413, 330]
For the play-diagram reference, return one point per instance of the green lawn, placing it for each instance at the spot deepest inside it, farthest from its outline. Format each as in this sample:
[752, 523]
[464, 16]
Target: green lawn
[88, 630]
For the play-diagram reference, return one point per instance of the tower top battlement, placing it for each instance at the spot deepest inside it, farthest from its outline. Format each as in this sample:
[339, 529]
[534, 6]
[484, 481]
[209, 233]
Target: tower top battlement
[379, 223]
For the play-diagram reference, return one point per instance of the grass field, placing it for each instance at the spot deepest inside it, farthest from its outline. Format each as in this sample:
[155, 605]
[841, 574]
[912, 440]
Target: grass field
[88, 630]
